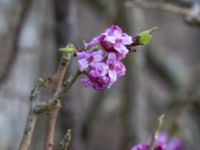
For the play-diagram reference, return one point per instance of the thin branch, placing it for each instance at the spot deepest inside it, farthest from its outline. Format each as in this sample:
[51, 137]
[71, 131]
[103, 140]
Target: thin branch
[28, 132]
[91, 115]
[66, 140]
[190, 17]
[37, 106]
[32, 116]
[156, 132]
[163, 6]
[45, 106]
[50, 124]
[55, 102]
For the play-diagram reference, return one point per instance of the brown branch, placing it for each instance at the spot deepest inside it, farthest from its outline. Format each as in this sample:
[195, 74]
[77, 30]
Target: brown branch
[50, 124]
[163, 6]
[156, 132]
[16, 37]
[66, 140]
[27, 136]
[45, 106]
[186, 12]
[32, 116]
[37, 106]
[54, 101]
[91, 115]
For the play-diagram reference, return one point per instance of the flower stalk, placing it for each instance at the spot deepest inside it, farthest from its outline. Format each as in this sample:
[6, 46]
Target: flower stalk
[51, 121]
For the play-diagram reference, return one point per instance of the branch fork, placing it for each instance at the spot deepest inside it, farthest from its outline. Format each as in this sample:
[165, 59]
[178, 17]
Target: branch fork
[38, 106]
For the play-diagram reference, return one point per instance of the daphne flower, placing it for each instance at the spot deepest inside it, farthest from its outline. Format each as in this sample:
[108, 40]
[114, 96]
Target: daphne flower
[116, 40]
[103, 66]
[162, 143]
[175, 144]
[97, 77]
[86, 58]
[112, 39]
[140, 147]
[116, 68]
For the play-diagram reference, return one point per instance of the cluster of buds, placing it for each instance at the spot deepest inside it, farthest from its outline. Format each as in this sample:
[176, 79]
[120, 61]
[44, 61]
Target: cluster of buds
[162, 143]
[101, 59]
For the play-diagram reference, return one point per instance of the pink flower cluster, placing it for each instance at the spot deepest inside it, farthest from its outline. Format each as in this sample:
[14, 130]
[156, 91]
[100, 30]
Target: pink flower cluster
[162, 143]
[102, 59]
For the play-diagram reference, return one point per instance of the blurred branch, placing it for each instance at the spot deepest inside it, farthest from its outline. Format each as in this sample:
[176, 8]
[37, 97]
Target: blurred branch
[91, 115]
[45, 106]
[99, 5]
[160, 61]
[163, 6]
[63, 9]
[66, 140]
[26, 5]
[192, 15]
[50, 124]
[156, 132]
[38, 106]
[127, 104]
[32, 116]
[126, 99]
[188, 98]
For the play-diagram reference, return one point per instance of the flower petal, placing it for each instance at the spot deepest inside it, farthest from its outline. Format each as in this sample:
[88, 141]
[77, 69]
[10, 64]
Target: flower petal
[111, 58]
[120, 69]
[82, 64]
[95, 41]
[83, 54]
[113, 77]
[97, 56]
[86, 82]
[122, 50]
[110, 39]
[126, 39]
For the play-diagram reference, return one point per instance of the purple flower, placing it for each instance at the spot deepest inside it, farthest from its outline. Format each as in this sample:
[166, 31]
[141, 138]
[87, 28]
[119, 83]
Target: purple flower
[112, 39]
[103, 74]
[97, 77]
[162, 143]
[140, 147]
[116, 68]
[102, 59]
[175, 144]
[86, 58]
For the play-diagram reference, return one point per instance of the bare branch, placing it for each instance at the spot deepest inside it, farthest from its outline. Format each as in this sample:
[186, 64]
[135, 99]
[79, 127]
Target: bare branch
[45, 106]
[32, 116]
[66, 140]
[26, 4]
[37, 106]
[54, 102]
[171, 8]
[163, 6]
[156, 132]
[50, 124]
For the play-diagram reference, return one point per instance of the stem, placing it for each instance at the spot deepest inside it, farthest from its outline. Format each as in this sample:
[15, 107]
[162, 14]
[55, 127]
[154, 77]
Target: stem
[28, 132]
[156, 132]
[192, 19]
[32, 115]
[53, 116]
[37, 106]
[66, 140]
[163, 6]
[47, 105]
[50, 124]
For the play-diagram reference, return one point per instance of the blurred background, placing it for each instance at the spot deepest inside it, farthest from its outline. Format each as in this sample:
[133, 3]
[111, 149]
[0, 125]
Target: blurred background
[163, 77]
